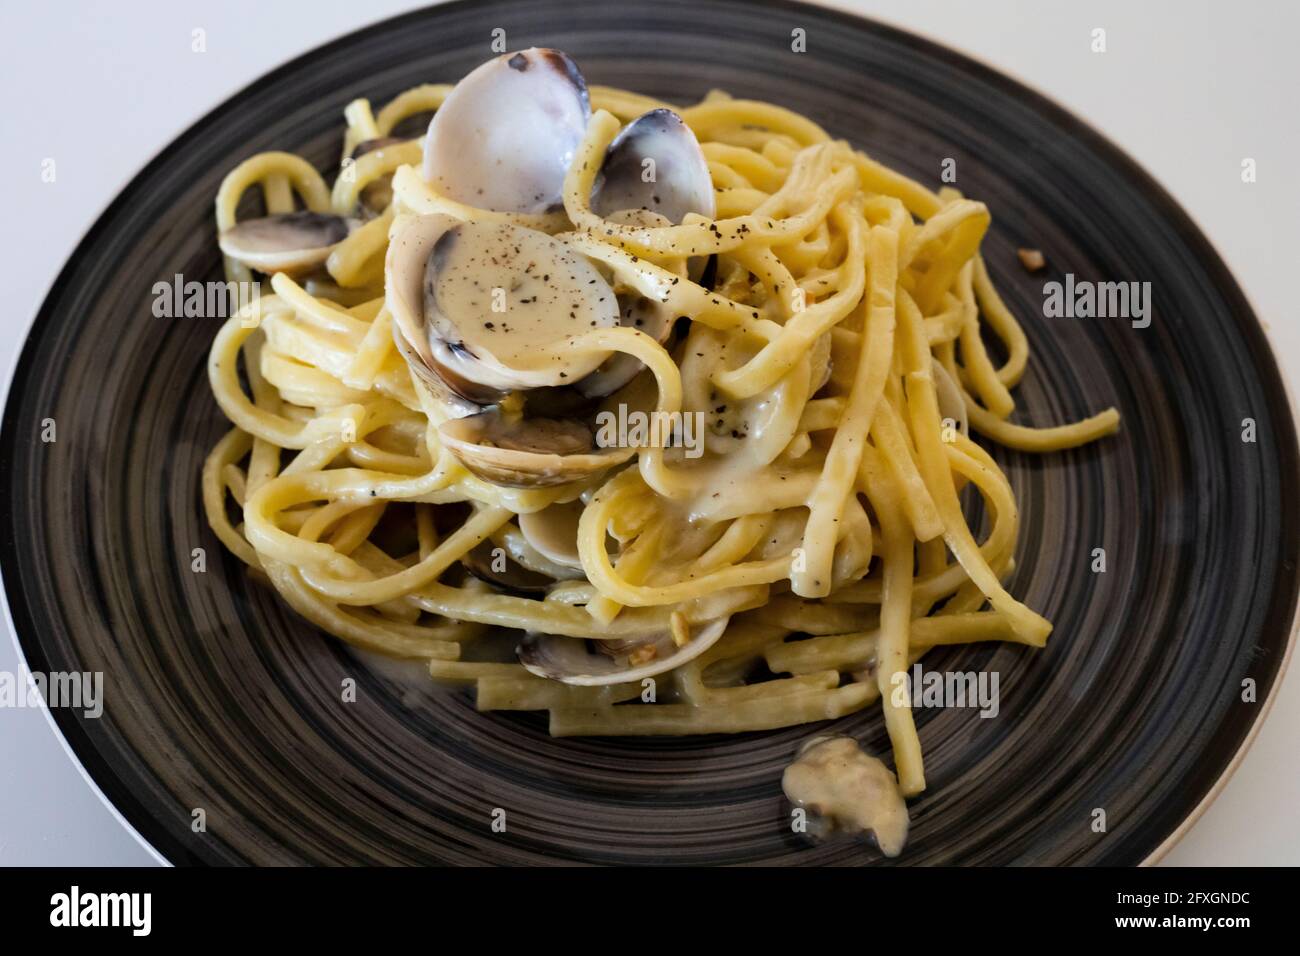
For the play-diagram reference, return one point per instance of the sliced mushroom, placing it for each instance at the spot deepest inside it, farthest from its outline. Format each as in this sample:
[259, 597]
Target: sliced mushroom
[655, 163]
[572, 661]
[486, 307]
[489, 563]
[505, 136]
[526, 452]
[293, 243]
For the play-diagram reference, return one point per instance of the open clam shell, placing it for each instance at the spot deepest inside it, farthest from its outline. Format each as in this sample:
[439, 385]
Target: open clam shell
[294, 243]
[573, 661]
[636, 311]
[526, 452]
[491, 564]
[504, 137]
[655, 163]
[486, 307]
[553, 532]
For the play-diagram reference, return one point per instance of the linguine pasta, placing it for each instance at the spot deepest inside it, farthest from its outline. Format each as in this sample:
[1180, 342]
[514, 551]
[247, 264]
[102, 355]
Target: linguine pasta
[833, 348]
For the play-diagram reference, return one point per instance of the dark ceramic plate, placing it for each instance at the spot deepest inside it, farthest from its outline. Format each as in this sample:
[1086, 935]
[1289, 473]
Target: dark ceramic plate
[218, 697]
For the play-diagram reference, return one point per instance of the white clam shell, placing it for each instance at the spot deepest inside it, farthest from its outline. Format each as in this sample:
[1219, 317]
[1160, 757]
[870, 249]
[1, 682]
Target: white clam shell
[505, 136]
[569, 660]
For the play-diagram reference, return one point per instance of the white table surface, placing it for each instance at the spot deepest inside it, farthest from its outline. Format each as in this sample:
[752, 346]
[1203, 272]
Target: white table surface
[1187, 88]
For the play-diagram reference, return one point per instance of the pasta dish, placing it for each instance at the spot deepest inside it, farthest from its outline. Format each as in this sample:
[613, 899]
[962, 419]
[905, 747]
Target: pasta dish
[657, 419]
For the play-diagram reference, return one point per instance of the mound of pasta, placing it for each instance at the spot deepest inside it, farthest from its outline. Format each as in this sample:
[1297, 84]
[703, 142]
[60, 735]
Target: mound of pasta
[432, 398]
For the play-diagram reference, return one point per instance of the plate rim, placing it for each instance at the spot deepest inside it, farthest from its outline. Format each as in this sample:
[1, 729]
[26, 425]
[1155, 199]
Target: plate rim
[1008, 81]
[1165, 197]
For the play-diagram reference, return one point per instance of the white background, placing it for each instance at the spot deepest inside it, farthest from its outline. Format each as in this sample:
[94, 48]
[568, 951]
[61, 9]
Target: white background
[1189, 89]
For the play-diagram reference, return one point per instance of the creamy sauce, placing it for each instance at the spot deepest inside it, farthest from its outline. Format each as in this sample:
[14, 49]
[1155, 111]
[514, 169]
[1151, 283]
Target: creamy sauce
[849, 790]
[515, 295]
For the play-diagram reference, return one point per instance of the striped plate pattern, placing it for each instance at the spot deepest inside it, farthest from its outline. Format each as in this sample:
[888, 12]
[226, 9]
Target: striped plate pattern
[219, 698]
